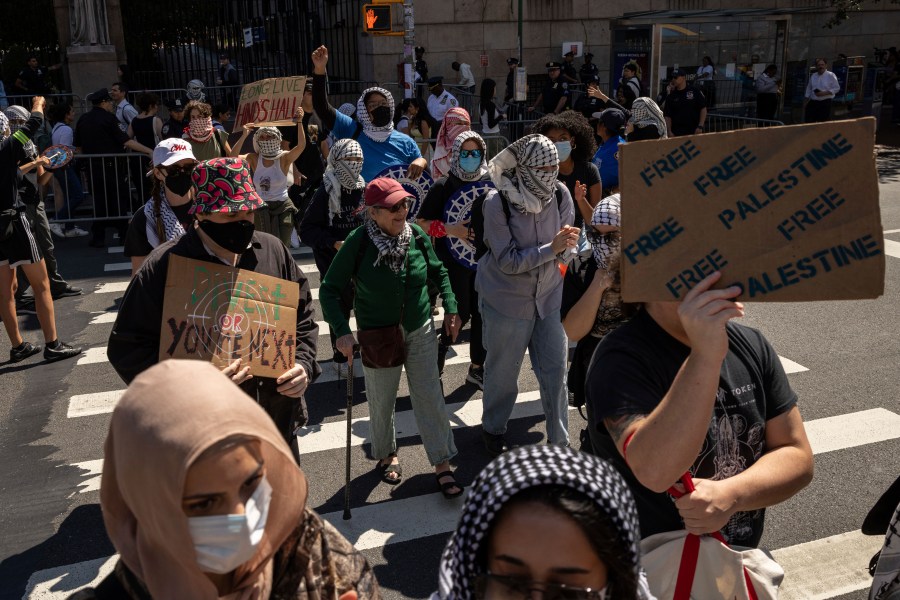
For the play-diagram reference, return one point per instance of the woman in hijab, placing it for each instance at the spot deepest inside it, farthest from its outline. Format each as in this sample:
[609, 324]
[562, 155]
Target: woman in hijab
[220, 511]
[545, 518]
[528, 233]
[467, 165]
[646, 121]
[335, 210]
[391, 262]
[382, 145]
[455, 122]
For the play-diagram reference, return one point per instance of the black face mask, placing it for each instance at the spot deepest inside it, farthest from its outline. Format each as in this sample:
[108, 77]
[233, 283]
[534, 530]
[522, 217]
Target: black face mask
[234, 236]
[381, 116]
[179, 183]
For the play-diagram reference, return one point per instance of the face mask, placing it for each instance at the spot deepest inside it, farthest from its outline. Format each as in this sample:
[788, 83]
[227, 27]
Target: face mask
[269, 148]
[200, 128]
[225, 542]
[348, 172]
[180, 183]
[14, 126]
[234, 236]
[381, 116]
[564, 149]
[470, 164]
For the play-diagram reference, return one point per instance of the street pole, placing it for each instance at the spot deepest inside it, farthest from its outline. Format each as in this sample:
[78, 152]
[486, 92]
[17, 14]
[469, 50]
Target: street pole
[409, 39]
[520, 32]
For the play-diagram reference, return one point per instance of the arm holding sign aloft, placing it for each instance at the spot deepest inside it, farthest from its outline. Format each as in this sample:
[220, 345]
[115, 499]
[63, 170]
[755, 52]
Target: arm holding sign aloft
[247, 130]
[288, 158]
[322, 108]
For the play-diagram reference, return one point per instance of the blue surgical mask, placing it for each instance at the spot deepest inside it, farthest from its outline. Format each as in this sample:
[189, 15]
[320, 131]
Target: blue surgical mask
[470, 164]
[564, 149]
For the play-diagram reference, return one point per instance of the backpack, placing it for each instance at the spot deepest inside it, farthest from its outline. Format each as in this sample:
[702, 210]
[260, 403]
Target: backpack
[477, 218]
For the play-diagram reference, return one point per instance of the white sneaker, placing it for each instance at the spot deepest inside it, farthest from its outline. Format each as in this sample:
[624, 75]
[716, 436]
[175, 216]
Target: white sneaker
[57, 230]
[76, 232]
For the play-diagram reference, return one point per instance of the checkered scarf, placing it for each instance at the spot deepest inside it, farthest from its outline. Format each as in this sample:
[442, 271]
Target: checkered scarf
[645, 112]
[605, 245]
[514, 172]
[4, 126]
[270, 149]
[456, 121]
[379, 134]
[172, 227]
[454, 157]
[521, 469]
[340, 173]
[391, 249]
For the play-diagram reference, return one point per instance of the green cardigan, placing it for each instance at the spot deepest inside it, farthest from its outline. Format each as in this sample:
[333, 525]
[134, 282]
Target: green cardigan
[379, 290]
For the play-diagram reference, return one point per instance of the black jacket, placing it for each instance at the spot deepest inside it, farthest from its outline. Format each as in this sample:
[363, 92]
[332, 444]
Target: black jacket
[320, 235]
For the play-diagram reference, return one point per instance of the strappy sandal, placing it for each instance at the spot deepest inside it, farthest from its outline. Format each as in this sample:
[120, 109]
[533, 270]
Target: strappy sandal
[389, 469]
[446, 485]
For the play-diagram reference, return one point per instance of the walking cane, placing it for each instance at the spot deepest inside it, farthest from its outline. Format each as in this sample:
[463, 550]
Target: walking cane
[347, 514]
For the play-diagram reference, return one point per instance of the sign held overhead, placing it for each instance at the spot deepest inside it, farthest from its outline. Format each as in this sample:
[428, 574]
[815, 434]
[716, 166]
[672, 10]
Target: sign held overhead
[270, 102]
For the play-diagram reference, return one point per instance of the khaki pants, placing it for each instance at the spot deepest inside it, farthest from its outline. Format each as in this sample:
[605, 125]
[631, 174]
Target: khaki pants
[276, 218]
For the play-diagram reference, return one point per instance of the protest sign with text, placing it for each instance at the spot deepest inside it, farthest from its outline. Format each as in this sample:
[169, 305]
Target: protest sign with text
[217, 313]
[270, 102]
[787, 213]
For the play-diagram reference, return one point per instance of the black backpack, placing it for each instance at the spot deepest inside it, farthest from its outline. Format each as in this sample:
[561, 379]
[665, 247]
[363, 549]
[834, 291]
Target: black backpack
[477, 220]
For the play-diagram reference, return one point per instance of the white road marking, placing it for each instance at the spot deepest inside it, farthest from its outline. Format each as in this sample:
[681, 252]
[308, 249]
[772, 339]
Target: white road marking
[85, 405]
[791, 367]
[60, 582]
[308, 269]
[115, 287]
[889, 231]
[93, 471]
[853, 429]
[109, 267]
[92, 356]
[458, 355]
[324, 328]
[115, 249]
[892, 248]
[108, 316]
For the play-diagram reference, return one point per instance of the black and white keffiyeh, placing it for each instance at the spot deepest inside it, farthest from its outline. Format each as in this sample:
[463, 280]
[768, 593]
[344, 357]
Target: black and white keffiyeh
[171, 225]
[454, 157]
[4, 125]
[341, 173]
[521, 469]
[645, 112]
[515, 172]
[270, 148]
[391, 249]
[379, 134]
[605, 245]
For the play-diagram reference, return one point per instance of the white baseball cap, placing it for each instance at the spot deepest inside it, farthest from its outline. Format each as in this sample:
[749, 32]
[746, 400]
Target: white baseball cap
[171, 151]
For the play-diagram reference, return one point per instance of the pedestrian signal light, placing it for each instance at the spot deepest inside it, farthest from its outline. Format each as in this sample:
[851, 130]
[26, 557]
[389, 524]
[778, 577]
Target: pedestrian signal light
[377, 18]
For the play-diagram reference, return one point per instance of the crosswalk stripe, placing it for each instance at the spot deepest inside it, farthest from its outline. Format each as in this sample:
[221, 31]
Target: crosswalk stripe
[791, 367]
[114, 287]
[457, 355]
[892, 248]
[852, 429]
[107, 316]
[110, 267]
[93, 356]
[86, 405]
[93, 470]
[115, 250]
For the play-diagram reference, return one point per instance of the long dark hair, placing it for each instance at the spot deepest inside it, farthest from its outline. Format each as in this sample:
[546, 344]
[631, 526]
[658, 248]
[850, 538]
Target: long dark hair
[156, 199]
[597, 527]
[577, 126]
[422, 113]
[488, 89]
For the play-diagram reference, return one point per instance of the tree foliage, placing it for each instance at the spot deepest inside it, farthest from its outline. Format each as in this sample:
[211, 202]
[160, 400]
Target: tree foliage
[844, 9]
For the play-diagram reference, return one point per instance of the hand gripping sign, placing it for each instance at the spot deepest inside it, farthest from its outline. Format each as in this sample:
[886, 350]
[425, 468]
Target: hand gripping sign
[219, 314]
[270, 102]
[787, 213]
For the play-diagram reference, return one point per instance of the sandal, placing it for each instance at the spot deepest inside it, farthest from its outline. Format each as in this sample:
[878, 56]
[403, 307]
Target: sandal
[452, 483]
[387, 470]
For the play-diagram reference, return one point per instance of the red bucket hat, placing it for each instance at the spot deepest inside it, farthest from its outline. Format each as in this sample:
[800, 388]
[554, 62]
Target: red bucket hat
[224, 185]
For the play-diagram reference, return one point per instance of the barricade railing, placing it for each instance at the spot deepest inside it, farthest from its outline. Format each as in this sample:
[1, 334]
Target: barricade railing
[66, 98]
[720, 122]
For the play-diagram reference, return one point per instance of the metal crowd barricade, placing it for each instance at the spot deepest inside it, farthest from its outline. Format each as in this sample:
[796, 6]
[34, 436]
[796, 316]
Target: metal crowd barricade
[67, 98]
[720, 122]
[112, 187]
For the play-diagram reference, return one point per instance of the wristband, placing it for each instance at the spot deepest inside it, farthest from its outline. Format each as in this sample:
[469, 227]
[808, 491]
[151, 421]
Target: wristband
[437, 229]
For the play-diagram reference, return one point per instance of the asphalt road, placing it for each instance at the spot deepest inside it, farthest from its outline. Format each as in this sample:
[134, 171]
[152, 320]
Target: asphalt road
[51, 533]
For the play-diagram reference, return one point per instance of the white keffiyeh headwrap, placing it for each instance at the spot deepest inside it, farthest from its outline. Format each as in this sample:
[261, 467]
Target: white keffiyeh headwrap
[171, 225]
[4, 126]
[269, 149]
[515, 172]
[455, 167]
[378, 134]
[391, 249]
[340, 173]
[605, 245]
[645, 112]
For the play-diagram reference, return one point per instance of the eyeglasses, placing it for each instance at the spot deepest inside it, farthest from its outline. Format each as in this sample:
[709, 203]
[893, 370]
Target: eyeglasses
[498, 587]
[472, 153]
[399, 207]
[175, 171]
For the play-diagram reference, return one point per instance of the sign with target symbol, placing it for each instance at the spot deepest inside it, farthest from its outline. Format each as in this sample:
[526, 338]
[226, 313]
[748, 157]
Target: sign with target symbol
[418, 188]
[459, 208]
[219, 314]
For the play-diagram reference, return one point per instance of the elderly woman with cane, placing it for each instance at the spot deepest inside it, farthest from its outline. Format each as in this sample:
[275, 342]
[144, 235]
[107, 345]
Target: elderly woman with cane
[391, 262]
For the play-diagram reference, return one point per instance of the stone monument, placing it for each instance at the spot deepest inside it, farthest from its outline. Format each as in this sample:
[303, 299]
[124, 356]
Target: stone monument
[92, 58]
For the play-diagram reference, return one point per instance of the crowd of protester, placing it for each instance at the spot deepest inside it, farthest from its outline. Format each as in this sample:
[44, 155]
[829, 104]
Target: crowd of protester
[672, 391]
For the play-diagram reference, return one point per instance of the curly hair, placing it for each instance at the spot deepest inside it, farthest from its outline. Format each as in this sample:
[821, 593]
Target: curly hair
[577, 126]
[203, 108]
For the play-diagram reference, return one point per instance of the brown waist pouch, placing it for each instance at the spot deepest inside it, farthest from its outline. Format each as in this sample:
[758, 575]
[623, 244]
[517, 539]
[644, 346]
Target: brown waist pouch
[382, 347]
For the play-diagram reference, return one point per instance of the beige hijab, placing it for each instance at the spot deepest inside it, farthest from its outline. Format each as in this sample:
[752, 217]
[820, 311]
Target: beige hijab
[168, 416]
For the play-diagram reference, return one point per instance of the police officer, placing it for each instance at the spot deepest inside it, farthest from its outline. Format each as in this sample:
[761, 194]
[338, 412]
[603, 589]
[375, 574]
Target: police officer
[588, 104]
[174, 127]
[421, 68]
[440, 100]
[568, 68]
[555, 95]
[589, 72]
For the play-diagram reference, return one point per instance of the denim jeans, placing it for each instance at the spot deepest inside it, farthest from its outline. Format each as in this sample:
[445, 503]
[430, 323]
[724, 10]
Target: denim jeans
[425, 393]
[73, 193]
[505, 339]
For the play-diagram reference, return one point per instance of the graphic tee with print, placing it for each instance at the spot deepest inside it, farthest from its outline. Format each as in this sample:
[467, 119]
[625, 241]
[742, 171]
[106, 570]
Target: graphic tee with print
[634, 367]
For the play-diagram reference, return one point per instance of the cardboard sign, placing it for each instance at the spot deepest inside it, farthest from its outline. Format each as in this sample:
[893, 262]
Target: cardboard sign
[219, 314]
[787, 213]
[270, 102]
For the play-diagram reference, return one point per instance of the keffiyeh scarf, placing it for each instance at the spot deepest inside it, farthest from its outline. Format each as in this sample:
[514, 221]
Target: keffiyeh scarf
[4, 126]
[391, 249]
[340, 173]
[605, 245]
[172, 227]
[378, 134]
[201, 129]
[520, 469]
[515, 172]
[456, 121]
[645, 112]
[269, 149]
[455, 167]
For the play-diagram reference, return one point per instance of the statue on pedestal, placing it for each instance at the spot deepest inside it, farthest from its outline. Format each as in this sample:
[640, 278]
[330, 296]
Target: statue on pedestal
[88, 18]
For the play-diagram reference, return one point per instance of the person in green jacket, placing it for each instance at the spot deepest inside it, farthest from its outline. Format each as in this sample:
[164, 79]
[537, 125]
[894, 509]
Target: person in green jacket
[391, 262]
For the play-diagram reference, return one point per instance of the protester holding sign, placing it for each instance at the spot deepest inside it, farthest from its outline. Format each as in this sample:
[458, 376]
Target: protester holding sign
[222, 234]
[382, 145]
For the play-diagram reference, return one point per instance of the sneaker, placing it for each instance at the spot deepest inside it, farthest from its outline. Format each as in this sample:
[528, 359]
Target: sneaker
[57, 230]
[475, 376]
[25, 306]
[68, 292]
[22, 352]
[76, 232]
[62, 351]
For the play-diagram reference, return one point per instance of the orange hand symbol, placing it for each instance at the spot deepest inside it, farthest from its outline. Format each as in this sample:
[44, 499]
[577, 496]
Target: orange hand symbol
[370, 18]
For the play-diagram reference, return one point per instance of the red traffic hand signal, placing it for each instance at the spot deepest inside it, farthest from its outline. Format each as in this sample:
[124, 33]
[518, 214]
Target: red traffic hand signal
[377, 18]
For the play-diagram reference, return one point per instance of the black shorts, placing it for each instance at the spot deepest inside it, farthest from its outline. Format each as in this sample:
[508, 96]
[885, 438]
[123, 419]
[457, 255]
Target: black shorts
[20, 248]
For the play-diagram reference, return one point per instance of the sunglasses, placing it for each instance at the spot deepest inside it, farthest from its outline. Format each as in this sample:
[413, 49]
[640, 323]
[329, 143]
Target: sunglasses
[169, 171]
[399, 207]
[472, 153]
[498, 587]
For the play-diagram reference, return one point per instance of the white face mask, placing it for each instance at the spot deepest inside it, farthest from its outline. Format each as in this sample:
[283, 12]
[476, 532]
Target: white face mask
[225, 542]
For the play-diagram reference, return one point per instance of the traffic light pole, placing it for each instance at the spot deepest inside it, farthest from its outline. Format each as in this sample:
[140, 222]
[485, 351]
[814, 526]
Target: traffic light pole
[409, 39]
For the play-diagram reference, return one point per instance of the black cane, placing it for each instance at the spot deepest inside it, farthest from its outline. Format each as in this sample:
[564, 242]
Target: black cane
[347, 514]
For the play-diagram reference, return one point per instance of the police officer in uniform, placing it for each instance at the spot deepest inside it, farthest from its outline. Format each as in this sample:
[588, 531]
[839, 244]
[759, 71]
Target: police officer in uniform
[568, 68]
[440, 100]
[589, 72]
[555, 95]
[587, 104]
[174, 127]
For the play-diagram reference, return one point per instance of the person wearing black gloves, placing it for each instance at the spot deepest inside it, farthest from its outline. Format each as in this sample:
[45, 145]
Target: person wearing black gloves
[18, 247]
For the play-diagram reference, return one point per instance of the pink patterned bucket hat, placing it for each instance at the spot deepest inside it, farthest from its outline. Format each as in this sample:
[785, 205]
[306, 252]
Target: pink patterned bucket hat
[224, 185]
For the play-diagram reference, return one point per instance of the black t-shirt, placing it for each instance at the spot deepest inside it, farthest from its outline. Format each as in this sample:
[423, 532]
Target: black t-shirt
[172, 129]
[587, 173]
[309, 163]
[683, 107]
[136, 242]
[433, 208]
[634, 367]
[98, 132]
